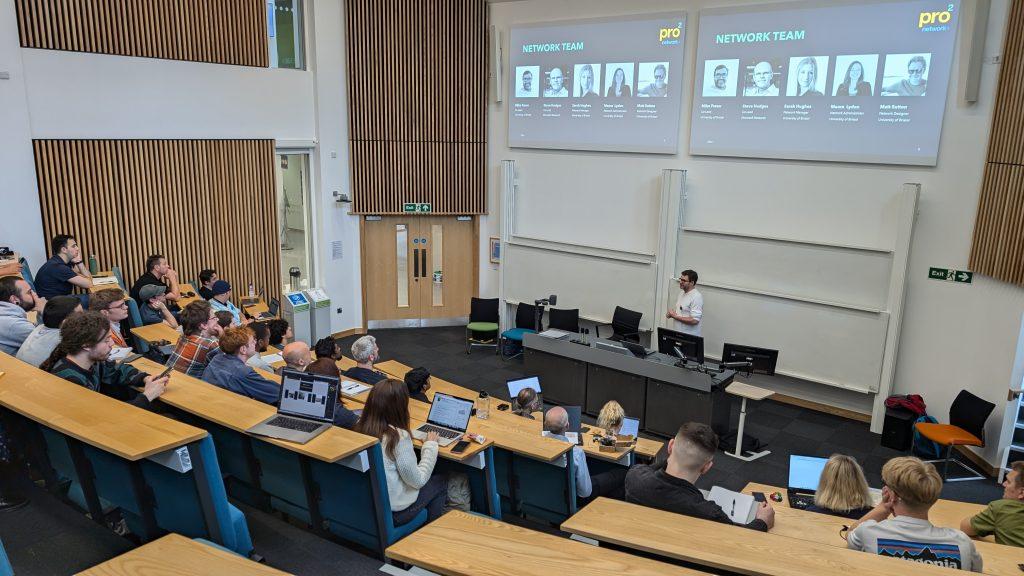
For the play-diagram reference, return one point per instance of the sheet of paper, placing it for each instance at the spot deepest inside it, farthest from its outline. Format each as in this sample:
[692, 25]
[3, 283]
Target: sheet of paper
[272, 358]
[739, 507]
[118, 353]
[553, 333]
[104, 280]
[350, 388]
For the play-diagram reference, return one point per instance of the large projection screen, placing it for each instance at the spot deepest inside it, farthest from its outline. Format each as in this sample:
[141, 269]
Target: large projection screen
[606, 84]
[848, 81]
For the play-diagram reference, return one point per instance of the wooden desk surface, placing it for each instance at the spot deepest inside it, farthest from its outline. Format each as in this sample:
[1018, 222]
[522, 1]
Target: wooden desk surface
[239, 413]
[998, 560]
[175, 555]
[644, 446]
[185, 288]
[460, 543]
[104, 286]
[724, 547]
[153, 333]
[254, 310]
[108, 424]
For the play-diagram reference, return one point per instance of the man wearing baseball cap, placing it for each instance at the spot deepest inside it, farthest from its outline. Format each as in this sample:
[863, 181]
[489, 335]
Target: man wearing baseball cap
[221, 301]
[153, 307]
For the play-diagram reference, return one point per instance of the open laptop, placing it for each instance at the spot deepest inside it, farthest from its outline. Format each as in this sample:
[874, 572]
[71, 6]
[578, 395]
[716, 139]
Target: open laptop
[630, 427]
[573, 432]
[804, 475]
[305, 407]
[516, 386]
[449, 417]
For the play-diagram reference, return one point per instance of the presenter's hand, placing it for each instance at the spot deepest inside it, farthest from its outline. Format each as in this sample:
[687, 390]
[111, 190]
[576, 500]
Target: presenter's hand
[432, 437]
[154, 387]
[767, 513]
[669, 314]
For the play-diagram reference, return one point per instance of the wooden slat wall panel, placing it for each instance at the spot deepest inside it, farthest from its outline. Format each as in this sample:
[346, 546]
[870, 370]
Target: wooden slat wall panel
[418, 106]
[998, 246]
[200, 203]
[216, 31]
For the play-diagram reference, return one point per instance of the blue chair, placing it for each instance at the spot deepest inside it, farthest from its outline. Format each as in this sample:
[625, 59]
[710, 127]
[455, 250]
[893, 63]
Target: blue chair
[5, 564]
[526, 318]
[26, 273]
[135, 320]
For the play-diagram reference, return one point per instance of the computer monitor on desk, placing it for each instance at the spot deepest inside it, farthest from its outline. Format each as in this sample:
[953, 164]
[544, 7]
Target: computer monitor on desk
[692, 346]
[763, 360]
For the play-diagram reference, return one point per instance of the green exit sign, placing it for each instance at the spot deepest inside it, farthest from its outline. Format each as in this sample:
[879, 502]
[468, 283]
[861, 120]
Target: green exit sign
[416, 207]
[950, 275]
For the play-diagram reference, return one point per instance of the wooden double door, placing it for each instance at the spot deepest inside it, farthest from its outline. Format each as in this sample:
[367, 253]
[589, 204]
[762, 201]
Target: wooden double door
[418, 270]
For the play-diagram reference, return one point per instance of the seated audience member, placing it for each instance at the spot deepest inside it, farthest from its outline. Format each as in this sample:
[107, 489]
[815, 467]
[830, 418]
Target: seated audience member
[910, 488]
[327, 355]
[1003, 517]
[417, 381]
[280, 332]
[610, 417]
[842, 489]
[112, 305]
[158, 273]
[221, 301]
[262, 332]
[81, 357]
[16, 299]
[412, 485]
[229, 369]
[65, 270]
[526, 403]
[206, 279]
[153, 306]
[200, 332]
[609, 484]
[671, 486]
[365, 353]
[45, 337]
[224, 319]
[297, 356]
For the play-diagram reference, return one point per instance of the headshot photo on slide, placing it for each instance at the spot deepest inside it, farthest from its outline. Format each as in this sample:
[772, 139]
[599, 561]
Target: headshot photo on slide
[720, 78]
[618, 80]
[761, 77]
[854, 75]
[807, 76]
[556, 79]
[906, 74]
[587, 82]
[652, 80]
[527, 81]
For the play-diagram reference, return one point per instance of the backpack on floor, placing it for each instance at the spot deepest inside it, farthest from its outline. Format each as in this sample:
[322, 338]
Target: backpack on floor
[924, 448]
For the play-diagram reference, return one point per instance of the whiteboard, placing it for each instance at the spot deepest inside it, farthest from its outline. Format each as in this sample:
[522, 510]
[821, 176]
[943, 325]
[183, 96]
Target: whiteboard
[838, 347]
[594, 284]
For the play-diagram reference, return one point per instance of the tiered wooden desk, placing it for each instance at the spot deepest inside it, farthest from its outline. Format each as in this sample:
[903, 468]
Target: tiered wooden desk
[187, 288]
[175, 555]
[464, 544]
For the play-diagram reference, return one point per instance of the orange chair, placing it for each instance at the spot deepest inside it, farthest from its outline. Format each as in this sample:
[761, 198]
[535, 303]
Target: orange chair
[967, 417]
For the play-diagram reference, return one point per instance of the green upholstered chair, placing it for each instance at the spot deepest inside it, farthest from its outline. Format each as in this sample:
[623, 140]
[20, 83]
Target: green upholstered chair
[482, 329]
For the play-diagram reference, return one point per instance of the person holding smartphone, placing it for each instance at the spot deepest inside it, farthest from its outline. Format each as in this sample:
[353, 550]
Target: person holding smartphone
[412, 485]
[82, 358]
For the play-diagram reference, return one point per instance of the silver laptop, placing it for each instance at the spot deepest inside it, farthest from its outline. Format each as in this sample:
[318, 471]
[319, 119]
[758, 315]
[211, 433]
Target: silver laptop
[449, 417]
[305, 407]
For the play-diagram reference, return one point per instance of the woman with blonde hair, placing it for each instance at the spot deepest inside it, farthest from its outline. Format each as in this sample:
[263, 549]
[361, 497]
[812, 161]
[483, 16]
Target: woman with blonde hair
[611, 416]
[842, 489]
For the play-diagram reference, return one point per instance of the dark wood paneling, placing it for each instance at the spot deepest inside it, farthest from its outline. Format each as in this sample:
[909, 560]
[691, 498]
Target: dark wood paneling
[418, 104]
[217, 31]
[200, 203]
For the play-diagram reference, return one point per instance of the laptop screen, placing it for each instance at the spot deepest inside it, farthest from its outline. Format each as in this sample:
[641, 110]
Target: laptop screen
[574, 417]
[450, 411]
[630, 427]
[308, 395]
[515, 386]
[805, 471]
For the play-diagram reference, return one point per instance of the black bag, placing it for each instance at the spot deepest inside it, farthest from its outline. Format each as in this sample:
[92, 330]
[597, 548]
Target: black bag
[727, 443]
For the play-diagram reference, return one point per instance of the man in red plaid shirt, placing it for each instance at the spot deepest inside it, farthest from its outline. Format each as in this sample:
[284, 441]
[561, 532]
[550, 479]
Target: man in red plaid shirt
[199, 339]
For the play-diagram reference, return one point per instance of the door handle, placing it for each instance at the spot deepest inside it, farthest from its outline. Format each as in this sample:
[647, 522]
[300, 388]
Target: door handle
[416, 264]
[423, 266]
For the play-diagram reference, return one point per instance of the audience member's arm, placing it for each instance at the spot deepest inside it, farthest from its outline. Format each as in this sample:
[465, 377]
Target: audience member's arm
[345, 418]
[168, 317]
[173, 290]
[880, 512]
[260, 388]
[584, 485]
[81, 281]
[981, 524]
[412, 473]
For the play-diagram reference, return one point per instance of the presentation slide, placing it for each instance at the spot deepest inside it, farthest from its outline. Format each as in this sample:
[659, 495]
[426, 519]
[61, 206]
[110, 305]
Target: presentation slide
[852, 82]
[608, 84]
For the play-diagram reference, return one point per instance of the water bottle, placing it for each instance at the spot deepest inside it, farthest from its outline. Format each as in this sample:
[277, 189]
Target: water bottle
[483, 406]
[252, 291]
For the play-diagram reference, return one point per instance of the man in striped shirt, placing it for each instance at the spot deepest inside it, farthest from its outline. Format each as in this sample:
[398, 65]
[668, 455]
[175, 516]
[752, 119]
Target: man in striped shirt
[199, 339]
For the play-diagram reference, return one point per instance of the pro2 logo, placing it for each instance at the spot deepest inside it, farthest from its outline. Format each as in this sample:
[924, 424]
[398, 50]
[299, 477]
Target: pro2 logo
[935, 18]
[669, 36]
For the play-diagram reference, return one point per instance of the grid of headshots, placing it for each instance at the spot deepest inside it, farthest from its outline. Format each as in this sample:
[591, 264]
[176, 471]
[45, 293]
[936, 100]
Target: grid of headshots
[594, 80]
[844, 76]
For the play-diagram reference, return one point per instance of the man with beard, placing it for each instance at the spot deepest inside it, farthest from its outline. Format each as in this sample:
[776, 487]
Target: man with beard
[17, 299]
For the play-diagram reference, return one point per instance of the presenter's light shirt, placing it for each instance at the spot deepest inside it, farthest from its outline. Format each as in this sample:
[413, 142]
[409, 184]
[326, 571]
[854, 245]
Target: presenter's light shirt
[689, 304]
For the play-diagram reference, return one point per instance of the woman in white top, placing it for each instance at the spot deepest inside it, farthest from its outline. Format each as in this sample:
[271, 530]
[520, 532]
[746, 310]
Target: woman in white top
[412, 486]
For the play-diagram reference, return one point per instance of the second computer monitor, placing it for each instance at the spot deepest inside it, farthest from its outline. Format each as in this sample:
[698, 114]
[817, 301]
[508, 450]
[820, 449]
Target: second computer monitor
[692, 346]
[763, 360]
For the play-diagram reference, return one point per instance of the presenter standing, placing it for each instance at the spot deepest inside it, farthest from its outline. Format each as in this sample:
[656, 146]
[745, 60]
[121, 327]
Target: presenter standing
[689, 305]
